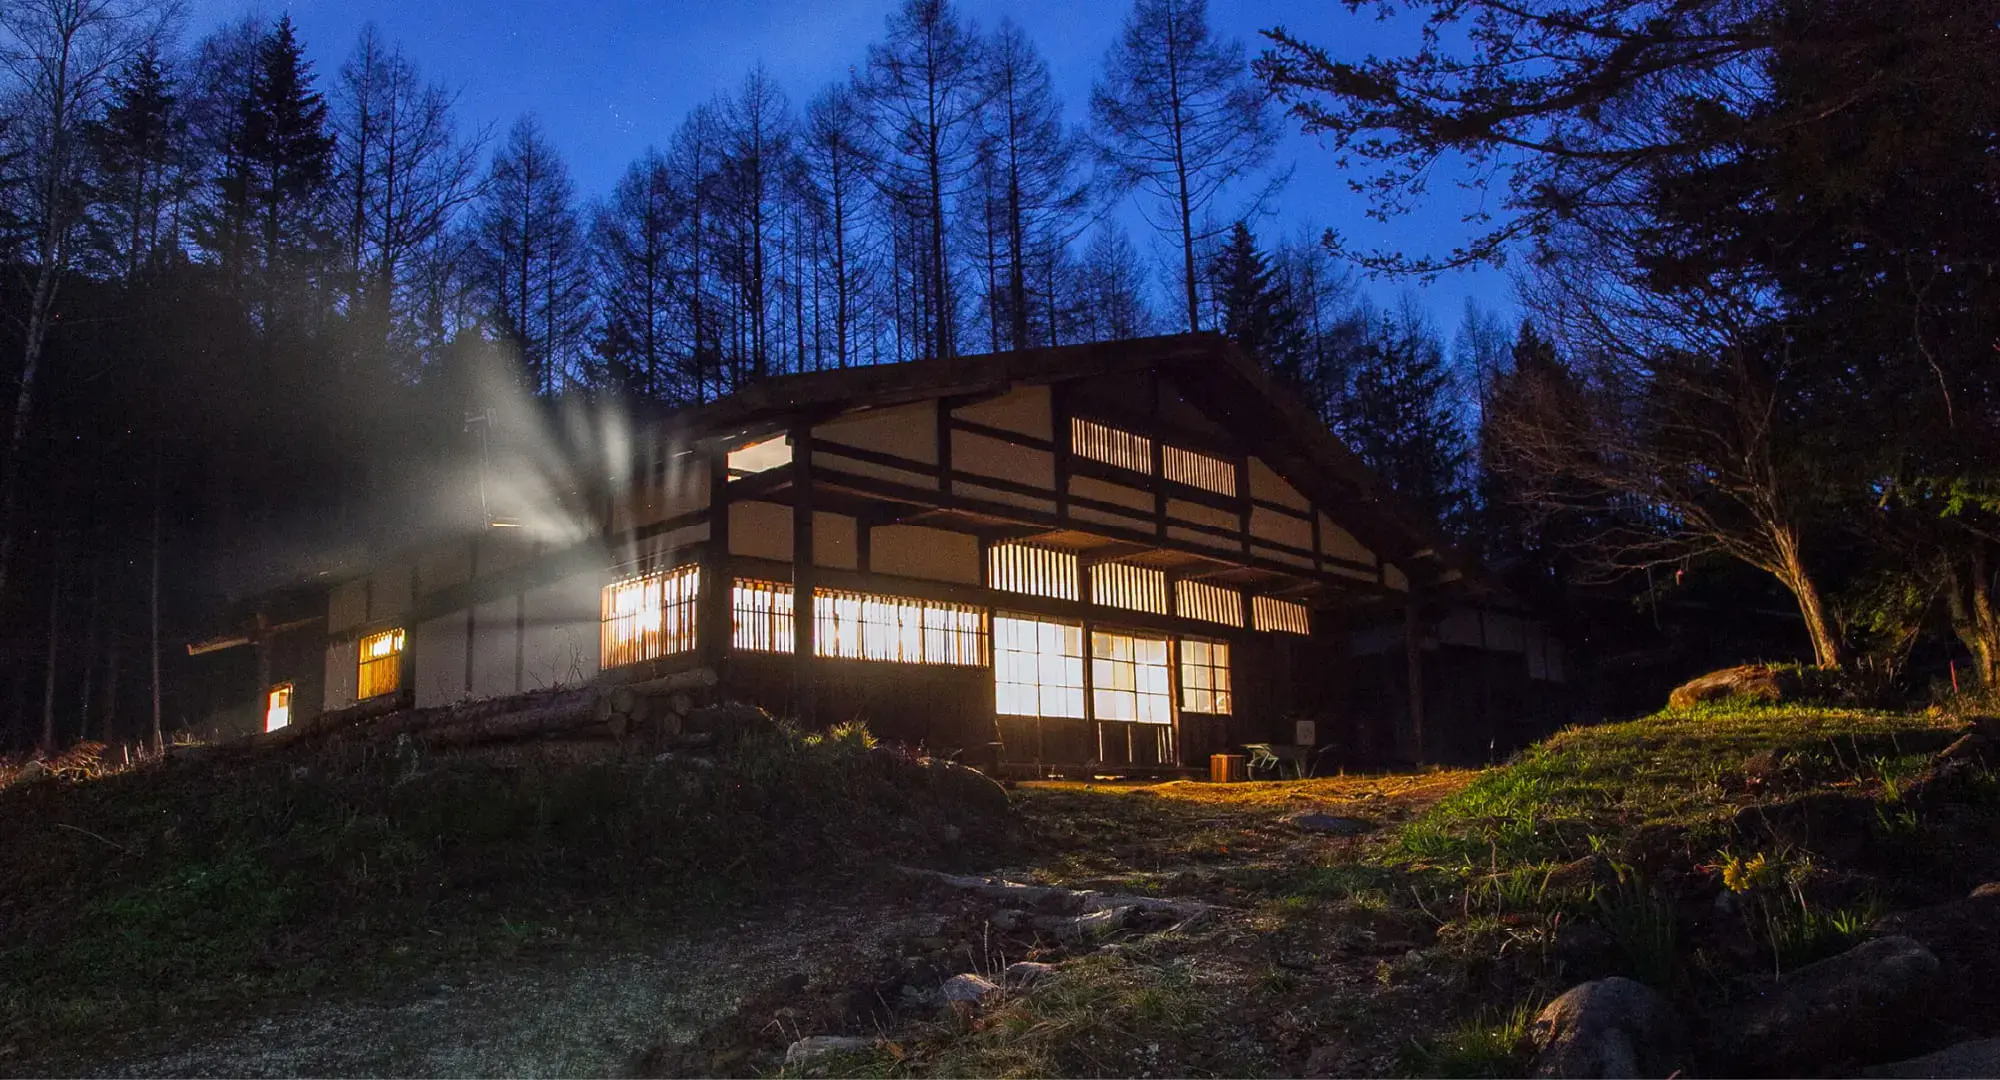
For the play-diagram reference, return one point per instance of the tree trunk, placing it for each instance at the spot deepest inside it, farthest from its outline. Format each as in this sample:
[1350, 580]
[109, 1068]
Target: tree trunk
[1826, 644]
[159, 739]
[1975, 618]
[49, 664]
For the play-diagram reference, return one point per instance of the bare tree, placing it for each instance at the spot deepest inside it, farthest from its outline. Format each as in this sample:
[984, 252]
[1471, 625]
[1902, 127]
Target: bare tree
[925, 90]
[531, 257]
[632, 243]
[1041, 200]
[403, 171]
[1674, 433]
[1179, 118]
[757, 134]
[59, 58]
[838, 172]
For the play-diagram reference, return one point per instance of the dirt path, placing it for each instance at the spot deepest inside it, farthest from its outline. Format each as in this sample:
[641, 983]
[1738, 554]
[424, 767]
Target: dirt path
[715, 999]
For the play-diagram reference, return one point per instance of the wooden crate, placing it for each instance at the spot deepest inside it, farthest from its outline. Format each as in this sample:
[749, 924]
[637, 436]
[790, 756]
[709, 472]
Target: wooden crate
[1228, 768]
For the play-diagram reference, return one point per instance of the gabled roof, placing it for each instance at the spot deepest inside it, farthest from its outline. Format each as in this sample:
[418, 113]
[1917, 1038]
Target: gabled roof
[1270, 421]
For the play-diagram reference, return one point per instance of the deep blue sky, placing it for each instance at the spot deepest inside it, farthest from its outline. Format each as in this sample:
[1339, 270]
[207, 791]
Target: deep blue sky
[609, 78]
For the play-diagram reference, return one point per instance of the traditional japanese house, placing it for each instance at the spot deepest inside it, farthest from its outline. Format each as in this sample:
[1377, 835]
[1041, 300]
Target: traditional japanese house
[1120, 556]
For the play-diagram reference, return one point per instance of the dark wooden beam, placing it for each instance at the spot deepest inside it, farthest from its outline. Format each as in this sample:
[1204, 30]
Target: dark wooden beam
[803, 572]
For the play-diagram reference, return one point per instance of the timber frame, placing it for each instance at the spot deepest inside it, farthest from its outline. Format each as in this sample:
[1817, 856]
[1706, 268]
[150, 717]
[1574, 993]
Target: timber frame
[900, 481]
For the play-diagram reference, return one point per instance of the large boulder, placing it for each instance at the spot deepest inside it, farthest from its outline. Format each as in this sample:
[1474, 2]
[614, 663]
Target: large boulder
[1964, 935]
[1826, 1015]
[1749, 682]
[968, 795]
[1978, 1058]
[1611, 1027]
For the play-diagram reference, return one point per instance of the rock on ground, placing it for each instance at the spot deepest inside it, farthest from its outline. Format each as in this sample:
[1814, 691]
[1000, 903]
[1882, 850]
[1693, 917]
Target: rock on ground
[1332, 824]
[969, 989]
[1965, 937]
[1025, 973]
[1825, 1014]
[810, 1049]
[1611, 1027]
[1978, 1058]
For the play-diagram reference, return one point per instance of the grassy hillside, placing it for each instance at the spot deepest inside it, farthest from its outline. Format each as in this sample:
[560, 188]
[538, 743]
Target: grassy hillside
[240, 880]
[1694, 850]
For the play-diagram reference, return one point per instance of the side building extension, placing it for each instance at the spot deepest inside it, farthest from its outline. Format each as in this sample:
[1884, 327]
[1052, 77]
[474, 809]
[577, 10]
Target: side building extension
[1122, 556]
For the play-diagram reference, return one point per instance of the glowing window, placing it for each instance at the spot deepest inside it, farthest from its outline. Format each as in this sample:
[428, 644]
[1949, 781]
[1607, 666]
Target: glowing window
[864, 626]
[1284, 616]
[647, 617]
[278, 707]
[1198, 470]
[760, 456]
[1037, 667]
[1036, 571]
[381, 664]
[763, 616]
[1209, 603]
[1135, 588]
[1129, 679]
[1101, 442]
[1205, 676]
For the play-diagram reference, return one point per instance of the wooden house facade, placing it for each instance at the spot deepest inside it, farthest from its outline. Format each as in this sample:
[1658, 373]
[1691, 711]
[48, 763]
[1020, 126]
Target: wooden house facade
[1121, 556]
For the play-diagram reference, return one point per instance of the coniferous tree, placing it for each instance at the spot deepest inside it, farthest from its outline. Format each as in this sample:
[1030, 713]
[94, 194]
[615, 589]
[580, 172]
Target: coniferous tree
[1178, 118]
[287, 159]
[753, 179]
[1399, 414]
[140, 149]
[1257, 311]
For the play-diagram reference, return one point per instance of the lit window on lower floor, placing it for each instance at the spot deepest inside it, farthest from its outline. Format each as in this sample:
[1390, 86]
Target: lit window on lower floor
[1037, 667]
[1130, 678]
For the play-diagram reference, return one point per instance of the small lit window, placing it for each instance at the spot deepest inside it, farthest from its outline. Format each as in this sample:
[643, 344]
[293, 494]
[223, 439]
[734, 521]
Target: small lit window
[278, 707]
[1129, 679]
[760, 457]
[648, 617]
[1135, 588]
[863, 626]
[1037, 667]
[1284, 616]
[1102, 442]
[1198, 470]
[1036, 571]
[1209, 603]
[763, 615]
[1205, 676]
[381, 664]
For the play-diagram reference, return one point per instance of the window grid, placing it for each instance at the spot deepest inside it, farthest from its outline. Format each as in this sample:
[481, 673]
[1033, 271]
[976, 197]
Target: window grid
[1130, 678]
[1135, 588]
[1284, 616]
[865, 626]
[1035, 571]
[1037, 667]
[278, 707]
[1205, 676]
[647, 617]
[1196, 469]
[1102, 442]
[381, 670]
[1209, 603]
[762, 616]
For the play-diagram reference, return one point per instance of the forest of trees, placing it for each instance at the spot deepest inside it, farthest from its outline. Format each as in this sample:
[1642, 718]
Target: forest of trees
[242, 291]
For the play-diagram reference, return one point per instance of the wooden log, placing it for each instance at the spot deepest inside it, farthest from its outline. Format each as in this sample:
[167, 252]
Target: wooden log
[622, 699]
[699, 678]
[559, 715]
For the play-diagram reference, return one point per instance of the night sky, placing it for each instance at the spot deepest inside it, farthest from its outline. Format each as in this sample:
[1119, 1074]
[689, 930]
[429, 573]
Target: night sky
[610, 78]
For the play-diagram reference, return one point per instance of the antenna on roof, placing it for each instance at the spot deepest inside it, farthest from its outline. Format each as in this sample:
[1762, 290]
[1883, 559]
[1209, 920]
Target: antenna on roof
[483, 421]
